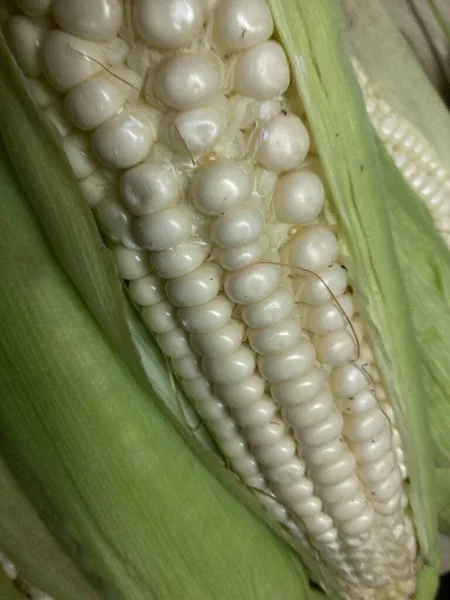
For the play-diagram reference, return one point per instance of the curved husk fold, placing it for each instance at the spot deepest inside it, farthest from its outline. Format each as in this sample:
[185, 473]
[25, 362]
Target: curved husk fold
[31, 547]
[128, 500]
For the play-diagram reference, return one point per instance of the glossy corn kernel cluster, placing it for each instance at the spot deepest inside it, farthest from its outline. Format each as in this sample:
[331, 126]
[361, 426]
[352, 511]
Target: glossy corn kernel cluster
[187, 139]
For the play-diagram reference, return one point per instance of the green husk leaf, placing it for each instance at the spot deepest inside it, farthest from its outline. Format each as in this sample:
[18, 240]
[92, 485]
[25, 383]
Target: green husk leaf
[109, 475]
[30, 546]
[425, 265]
[73, 235]
[7, 589]
[442, 478]
[348, 149]
[395, 72]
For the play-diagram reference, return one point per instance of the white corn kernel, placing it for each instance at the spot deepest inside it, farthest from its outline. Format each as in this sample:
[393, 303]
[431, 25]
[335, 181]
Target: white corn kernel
[116, 223]
[288, 473]
[306, 414]
[299, 197]
[241, 25]
[196, 131]
[57, 120]
[287, 365]
[292, 493]
[77, 148]
[301, 389]
[96, 187]
[42, 92]
[268, 311]
[276, 455]
[268, 434]
[373, 449]
[242, 393]
[161, 317]
[220, 342]
[262, 72]
[314, 248]
[348, 509]
[360, 402]
[348, 380]
[147, 290]
[235, 259]
[329, 317]
[198, 287]
[174, 343]
[283, 143]
[207, 317]
[70, 60]
[168, 23]
[25, 37]
[150, 187]
[358, 525]
[377, 470]
[257, 414]
[92, 19]
[338, 470]
[131, 264]
[34, 8]
[230, 369]
[188, 81]
[365, 426]
[187, 367]
[221, 187]
[321, 456]
[125, 140]
[164, 229]
[342, 491]
[336, 348]
[93, 102]
[323, 285]
[280, 337]
[383, 490]
[252, 284]
[325, 431]
[238, 229]
[181, 259]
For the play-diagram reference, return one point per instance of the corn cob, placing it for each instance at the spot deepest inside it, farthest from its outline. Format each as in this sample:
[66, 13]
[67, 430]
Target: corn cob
[412, 154]
[188, 144]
